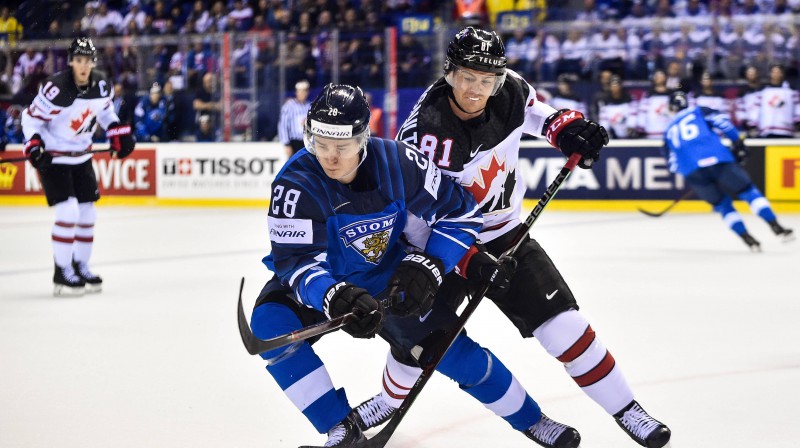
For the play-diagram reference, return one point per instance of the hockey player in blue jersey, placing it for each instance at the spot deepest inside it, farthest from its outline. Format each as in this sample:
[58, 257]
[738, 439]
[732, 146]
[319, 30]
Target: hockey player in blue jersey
[351, 217]
[711, 169]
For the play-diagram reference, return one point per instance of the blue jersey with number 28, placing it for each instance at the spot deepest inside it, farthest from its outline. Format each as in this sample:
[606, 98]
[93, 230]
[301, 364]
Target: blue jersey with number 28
[692, 141]
[323, 232]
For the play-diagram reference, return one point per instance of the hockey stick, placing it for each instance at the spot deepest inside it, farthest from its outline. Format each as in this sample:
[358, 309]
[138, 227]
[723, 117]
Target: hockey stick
[430, 359]
[58, 154]
[684, 196]
[256, 346]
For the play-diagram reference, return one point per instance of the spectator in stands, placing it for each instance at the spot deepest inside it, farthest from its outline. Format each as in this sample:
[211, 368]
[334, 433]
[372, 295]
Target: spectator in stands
[299, 62]
[564, 97]
[663, 10]
[13, 126]
[676, 77]
[473, 11]
[729, 49]
[653, 114]
[777, 107]
[30, 84]
[205, 133]
[87, 21]
[107, 22]
[350, 21]
[551, 55]
[522, 51]
[149, 116]
[413, 69]
[617, 111]
[124, 103]
[746, 100]
[10, 28]
[199, 61]
[589, 13]
[575, 53]
[135, 15]
[170, 131]
[373, 62]
[292, 119]
[608, 51]
[709, 96]
[160, 16]
[241, 17]
[207, 102]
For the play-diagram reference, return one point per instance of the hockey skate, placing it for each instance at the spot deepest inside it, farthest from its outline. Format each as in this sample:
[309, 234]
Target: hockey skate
[344, 434]
[551, 434]
[642, 428]
[751, 242]
[67, 283]
[782, 232]
[372, 413]
[93, 282]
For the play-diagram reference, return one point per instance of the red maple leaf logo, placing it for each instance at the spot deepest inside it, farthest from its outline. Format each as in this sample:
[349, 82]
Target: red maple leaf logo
[78, 122]
[480, 186]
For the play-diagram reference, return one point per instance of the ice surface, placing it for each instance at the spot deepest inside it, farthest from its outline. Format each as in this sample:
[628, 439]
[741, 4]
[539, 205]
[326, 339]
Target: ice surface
[706, 332]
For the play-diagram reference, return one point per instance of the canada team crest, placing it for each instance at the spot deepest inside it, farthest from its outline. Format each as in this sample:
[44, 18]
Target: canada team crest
[370, 238]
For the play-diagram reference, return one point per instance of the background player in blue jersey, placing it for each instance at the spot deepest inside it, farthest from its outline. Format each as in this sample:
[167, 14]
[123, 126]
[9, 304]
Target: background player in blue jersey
[711, 169]
[344, 214]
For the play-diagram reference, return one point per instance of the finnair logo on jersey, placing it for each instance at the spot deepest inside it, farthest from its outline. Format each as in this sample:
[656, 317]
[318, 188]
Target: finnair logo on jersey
[290, 231]
[370, 238]
[331, 130]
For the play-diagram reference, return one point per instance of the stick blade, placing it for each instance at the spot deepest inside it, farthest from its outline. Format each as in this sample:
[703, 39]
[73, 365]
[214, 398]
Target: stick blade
[248, 338]
[650, 214]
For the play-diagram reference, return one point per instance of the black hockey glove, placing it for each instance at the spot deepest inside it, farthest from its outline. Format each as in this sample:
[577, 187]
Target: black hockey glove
[34, 151]
[479, 265]
[417, 279]
[120, 139]
[740, 151]
[570, 132]
[343, 298]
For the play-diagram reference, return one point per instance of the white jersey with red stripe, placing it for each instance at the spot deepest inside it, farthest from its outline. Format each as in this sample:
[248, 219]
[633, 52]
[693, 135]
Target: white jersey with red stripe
[66, 117]
[777, 109]
[654, 115]
[482, 154]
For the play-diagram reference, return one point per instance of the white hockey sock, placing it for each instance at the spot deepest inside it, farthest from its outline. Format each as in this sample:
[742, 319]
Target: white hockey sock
[63, 235]
[84, 233]
[398, 379]
[569, 338]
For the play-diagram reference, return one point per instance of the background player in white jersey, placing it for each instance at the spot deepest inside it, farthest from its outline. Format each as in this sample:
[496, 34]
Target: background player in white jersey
[469, 123]
[711, 169]
[58, 126]
[338, 210]
[776, 111]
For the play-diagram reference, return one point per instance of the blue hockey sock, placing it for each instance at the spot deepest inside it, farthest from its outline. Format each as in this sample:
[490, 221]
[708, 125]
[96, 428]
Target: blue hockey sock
[759, 205]
[298, 370]
[482, 375]
[730, 216]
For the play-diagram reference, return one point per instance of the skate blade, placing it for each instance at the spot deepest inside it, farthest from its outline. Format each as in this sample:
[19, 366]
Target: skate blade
[788, 238]
[68, 291]
[93, 289]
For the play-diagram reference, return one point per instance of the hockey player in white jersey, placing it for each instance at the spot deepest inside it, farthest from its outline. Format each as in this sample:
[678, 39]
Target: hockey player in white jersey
[776, 111]
[469, 123]
[58, 127]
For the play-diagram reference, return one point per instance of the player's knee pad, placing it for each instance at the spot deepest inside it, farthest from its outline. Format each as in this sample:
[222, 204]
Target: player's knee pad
[755, 199]
[87, 213]
[466, 362]
[275, 319]
[724, 206]
[559, 333]
[67, 211]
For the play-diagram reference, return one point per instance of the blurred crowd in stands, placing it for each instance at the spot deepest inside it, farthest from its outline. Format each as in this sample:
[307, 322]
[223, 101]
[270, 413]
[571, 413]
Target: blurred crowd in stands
[600, 54]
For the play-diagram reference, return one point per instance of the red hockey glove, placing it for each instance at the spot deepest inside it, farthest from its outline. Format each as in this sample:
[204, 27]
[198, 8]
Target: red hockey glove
[343, 298]
[570, 132]
[478, 264]
[417, 279]
[120, 139]
[37, 156]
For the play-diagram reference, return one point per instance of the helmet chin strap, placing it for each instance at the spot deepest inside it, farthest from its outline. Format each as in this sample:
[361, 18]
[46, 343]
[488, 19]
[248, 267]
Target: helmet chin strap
[455, 101]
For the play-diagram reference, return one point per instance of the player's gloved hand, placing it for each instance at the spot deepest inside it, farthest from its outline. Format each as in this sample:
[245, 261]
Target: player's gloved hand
[417, 279]
[478, 264]
[570, 132]
[34, 151]
[343, 298]
[120, 139]
[740, 151]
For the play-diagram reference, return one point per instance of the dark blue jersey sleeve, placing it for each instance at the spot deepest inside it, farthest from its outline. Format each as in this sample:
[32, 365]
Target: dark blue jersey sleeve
[451, 213]
[299, 238]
